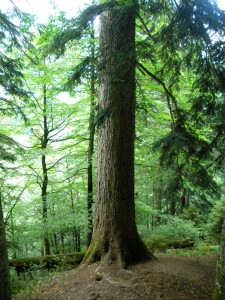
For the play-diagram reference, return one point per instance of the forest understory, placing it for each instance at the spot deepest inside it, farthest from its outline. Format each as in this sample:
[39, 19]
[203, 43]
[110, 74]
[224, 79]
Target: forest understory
[171, 277]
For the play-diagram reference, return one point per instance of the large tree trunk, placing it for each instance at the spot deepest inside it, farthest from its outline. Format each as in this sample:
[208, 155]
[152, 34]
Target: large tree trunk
[5, 290]
[220, 273]
[115, 237]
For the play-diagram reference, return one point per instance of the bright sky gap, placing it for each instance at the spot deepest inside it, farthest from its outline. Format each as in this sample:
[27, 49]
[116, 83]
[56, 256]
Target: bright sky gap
[44, 8]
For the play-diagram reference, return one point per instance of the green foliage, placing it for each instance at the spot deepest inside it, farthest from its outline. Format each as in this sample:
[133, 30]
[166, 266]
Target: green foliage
[8, 149]
[26, 286]
[11, 76]
[35, 270]
[174, 231]
[143, 208]
[194, 214]
[200, 249]
[215, 221]
[75, 28]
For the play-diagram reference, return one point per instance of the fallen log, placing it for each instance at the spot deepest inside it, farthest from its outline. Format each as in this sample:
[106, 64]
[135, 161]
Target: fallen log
[182, 245]
[22, 265]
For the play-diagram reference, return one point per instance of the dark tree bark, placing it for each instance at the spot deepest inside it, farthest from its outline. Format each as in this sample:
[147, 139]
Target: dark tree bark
[5, 289]
[63, 242]
[220, 273]
[14, 242]
[115, 237]
[173, 204]
[55, 244]
[184, 200]
[76, 238]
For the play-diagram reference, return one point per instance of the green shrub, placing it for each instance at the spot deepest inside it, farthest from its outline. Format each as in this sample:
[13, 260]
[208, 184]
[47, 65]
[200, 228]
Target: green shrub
[199, 250]
[176, 231]
[215, 221]
[194, 214]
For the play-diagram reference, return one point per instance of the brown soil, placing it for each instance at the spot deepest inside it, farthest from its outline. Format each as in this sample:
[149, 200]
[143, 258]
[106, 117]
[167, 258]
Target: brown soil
[171, 277]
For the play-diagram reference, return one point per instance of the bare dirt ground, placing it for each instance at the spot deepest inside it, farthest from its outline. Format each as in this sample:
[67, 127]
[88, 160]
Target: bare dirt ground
[171, 277]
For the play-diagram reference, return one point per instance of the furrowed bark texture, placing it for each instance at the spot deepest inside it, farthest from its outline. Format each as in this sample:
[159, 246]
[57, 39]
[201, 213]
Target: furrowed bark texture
[115, 237]
[5, 290]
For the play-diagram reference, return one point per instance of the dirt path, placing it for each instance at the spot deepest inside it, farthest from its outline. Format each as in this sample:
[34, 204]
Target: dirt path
[170, 277]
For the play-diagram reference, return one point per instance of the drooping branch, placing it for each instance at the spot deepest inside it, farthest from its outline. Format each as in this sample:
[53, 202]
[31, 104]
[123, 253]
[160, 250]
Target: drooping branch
[75, 27]
[169, 95]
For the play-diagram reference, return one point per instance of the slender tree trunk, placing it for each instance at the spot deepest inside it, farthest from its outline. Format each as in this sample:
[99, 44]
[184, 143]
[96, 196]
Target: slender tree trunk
[5, 288]
[220, 273]
[184, 200]
[115, 237]
[55, 243]
[26, 248]
[77, 239]
[44, 186]
[76, 230]
[44, 205]
[173, 203]
[91, 143]
[62, 241]
[14, 256]
[157, 196]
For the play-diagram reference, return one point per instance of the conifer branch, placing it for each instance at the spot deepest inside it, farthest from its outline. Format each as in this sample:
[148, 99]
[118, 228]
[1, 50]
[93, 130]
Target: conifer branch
[169, 95]
[145, 27]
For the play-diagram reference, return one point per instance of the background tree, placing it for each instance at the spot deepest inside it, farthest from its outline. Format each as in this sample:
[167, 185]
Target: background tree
[10, 84]
[50, 123]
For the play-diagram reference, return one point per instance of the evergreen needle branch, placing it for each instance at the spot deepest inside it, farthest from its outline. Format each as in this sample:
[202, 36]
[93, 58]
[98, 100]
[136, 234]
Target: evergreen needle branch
[147, 31]
[169, 95]
[76, 27]
[13, 206]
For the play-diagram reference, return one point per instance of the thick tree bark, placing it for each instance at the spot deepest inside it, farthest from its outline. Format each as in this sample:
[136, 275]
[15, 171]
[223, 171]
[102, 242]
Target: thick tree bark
[220, 273]
[115, 237]
[5, 289]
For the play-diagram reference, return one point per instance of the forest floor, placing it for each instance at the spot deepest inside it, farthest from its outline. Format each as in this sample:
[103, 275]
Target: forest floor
[171, 277]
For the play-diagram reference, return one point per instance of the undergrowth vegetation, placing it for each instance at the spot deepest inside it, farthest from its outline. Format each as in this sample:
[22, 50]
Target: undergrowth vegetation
[175, 233]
